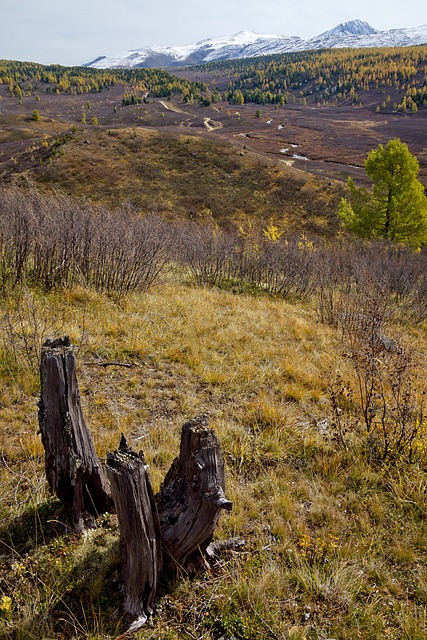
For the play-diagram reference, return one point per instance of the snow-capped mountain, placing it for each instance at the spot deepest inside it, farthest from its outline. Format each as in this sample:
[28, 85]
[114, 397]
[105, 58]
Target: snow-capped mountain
[352, 28]
[247, 44]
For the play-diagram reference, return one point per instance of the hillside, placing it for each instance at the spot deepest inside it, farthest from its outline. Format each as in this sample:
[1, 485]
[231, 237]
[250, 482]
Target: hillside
[191, 250]
[319, 113]
[327, 77]
[334, 544]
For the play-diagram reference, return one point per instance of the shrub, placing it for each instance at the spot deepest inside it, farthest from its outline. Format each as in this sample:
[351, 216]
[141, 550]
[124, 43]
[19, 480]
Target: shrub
[207, 251]
[384, 408]
[51, 241]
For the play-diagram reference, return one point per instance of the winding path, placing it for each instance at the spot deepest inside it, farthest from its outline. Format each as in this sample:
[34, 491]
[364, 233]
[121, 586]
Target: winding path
[211, 125]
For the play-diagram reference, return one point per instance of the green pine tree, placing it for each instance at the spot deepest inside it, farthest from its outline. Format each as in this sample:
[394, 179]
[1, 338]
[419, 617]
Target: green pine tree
[396, 208]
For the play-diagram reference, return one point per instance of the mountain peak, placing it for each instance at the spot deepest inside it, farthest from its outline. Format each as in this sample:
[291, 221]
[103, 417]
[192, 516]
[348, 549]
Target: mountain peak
[245, 32]
[351, 28]
[248, 44]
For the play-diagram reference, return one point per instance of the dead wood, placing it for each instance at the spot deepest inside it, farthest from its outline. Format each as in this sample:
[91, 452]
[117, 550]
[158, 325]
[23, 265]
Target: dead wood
[128, 365]
[170, 531]
[73, 470]
[219, 547]
[191, 498]
[139, 530]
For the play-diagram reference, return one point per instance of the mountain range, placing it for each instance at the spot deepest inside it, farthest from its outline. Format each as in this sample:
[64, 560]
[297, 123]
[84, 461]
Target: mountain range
[248, 44]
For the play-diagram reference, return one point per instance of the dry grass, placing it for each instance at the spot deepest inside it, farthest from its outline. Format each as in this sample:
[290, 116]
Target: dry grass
[335, 547]
[173, 174]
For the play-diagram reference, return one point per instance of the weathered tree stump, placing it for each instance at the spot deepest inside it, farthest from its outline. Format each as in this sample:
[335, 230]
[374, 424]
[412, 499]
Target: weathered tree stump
[73, 470]
[139, 530]
[191, 498]
[170, 531]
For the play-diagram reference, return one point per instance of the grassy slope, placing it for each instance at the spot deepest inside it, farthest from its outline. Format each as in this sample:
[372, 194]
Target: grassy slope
[335, 548]
[151, 157]
[184, 175]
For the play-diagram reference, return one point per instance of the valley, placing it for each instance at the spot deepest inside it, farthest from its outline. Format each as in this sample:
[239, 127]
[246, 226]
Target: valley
[329, 143]
[188, 242]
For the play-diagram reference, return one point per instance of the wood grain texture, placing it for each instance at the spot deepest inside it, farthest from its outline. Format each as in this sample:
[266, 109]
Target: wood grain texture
[191, 497]
[139, 530]
[73, 470]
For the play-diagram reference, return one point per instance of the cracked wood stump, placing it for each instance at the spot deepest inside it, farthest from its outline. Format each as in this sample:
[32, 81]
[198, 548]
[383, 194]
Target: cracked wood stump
[73, 470]
[169, 532]
[191, 498]
[140, 545]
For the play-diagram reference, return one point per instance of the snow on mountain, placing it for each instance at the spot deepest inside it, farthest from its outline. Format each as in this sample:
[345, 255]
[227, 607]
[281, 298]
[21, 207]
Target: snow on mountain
[248, 44]
[392, 38]
[352, 28]
[221, 48]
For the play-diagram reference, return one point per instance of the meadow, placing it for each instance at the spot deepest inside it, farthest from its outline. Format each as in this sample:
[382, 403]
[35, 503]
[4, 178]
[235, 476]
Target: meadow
[210, 266]
[332, 519]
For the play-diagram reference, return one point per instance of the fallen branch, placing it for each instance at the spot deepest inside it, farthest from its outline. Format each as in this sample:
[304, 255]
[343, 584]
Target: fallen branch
[113, 363]
[217, 548]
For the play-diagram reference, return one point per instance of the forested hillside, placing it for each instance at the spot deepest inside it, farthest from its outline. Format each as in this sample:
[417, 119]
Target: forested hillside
[26, 78]
[321, 77]
[312, 77]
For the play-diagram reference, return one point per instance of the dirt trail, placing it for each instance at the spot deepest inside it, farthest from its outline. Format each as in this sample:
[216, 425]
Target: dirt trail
[211, 125]
[171, 107]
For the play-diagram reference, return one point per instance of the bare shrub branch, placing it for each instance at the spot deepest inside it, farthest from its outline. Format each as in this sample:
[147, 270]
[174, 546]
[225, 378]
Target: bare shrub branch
[207, 251]
[385, 408]
[49, 241]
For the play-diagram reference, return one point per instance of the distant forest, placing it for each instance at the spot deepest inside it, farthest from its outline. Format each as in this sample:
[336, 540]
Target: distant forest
[25, 78]
[327, 77]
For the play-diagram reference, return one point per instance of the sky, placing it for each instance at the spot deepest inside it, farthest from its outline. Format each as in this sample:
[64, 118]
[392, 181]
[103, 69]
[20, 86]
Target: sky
[71, 32]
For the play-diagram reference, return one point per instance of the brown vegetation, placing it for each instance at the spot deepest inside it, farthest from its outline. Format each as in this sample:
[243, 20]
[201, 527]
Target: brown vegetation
[138, 165]
[200, 267]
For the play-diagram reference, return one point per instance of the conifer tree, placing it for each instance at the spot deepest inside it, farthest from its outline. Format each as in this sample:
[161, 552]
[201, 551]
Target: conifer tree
[396, 208]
